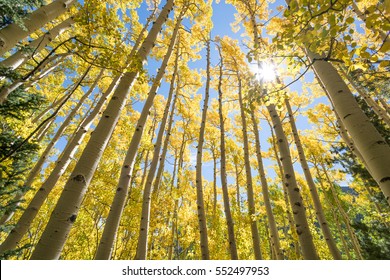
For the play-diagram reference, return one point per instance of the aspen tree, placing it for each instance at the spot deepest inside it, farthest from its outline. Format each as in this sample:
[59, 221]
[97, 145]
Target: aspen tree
[229, 219]
[341, 234]
[355, 243]
[20, 57]
[142, 247]
[62, 163]
[116, 208]
[13, 33]
[199, 183]
[56, 231]
[354, 240]
[312, 187]
[371, 145]
[287, 202]
[38, 165]
[264, 186]
[302, 227]
[6, 90]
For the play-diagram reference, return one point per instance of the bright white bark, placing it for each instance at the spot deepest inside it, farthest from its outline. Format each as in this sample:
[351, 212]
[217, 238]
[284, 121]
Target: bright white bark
[249, 181]
[38, 165]
[379, 111]
[290, 218]
[204, 244]
[302, 227]
[312, 187]
[64, 215]
[142, 247]
[13, 33]
[274, 234]
[61, 165]
[224, 183]
[116, 209]
[20, 57]
[371, 145]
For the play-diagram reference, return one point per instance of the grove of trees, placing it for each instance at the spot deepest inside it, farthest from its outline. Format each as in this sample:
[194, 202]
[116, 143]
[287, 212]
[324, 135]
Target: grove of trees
[157, 130]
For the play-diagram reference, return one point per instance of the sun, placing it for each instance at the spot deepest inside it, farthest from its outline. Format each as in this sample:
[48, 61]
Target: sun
[265, 72]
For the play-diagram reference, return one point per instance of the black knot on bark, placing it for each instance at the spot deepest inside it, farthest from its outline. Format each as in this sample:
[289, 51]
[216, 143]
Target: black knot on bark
[288, 176]
[72, 218]
[298, 204]
[79, 178]
[384, 179]
[296, 189]
[299, 232]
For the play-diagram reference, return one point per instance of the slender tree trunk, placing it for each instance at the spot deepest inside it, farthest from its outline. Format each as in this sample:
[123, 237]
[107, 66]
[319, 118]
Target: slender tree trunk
[199, 180]
[264, 185]
[38, 165]
[351, 233]
[341, 234]
[32, 209]
[312, 187]
[117, 205]
[33, 80]
[238, 195]
[145, 214]
[249, 181]
[285, 196]
[56, 103]
[302, 227]
[41, 134]
[20, 57]
[373, 148]
[13, 33]
[385, 105]
[229, 219]
[66, 210]
[7, 90]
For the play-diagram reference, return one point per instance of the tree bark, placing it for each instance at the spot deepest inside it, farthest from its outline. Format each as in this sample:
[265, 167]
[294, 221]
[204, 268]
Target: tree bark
[20, 57]
[38, 165]
[117, 205]
[199, 180]
[66, 210]
[371, 145]
[13, 33]
[312, 187]
[302, 227]
[62, 163]
[275, 242]
[142, 247]
[229, 219]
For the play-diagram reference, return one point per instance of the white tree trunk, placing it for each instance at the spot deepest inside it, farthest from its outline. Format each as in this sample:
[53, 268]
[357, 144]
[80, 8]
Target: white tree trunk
[20, 57]
[302, 227]
[313, 188]
[204, 243]
[64, 215]
[371, 145]
[117, 205]
[13, 33]
[38, 165]
[142, 247]
[225, 193]
[264, 186]
[249, 181]
[62, 163]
